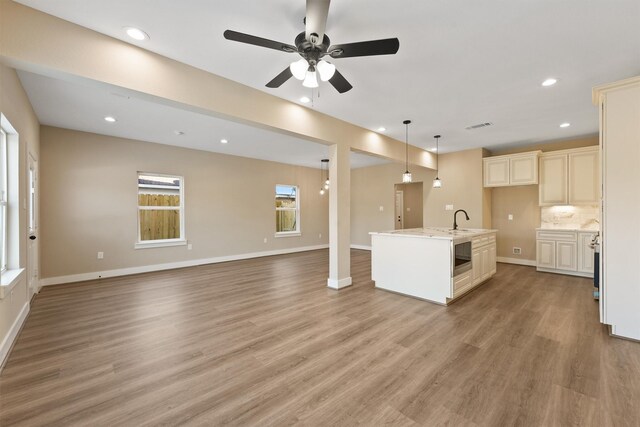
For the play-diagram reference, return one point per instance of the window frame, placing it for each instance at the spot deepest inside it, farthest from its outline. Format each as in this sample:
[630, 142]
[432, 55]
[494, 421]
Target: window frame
[4, 199]
[182, 240]
[297, 231]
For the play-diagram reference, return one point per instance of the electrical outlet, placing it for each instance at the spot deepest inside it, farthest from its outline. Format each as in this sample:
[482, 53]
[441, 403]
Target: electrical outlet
[408, 209]
[189, 246]
[100, 255]
[510, 217]
[319, 235]
[517, 251]
[381, 208]
[265, 240]
[448, 207]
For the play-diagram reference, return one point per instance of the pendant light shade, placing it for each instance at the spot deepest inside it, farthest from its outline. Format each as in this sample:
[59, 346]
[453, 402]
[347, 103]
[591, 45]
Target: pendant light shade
[324, 182]
[436, 182]
[406, 176]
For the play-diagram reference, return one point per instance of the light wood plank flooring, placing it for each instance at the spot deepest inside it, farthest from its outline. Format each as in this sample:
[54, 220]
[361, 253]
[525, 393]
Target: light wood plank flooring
[265, 342]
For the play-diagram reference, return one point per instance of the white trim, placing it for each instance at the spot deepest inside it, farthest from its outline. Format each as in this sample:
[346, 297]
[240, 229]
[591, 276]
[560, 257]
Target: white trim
[288, 234]
[7, 342]
[10, 278]
[518, 261]
[48, 281]
[340, 283]
[159, 243]
[565, 272]
[362, 247]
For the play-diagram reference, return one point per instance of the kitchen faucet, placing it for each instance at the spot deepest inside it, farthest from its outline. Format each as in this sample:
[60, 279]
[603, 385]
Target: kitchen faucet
[455, 224]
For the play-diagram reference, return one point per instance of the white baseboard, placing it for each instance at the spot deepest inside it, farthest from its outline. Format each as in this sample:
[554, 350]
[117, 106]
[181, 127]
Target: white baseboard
[48, 281]
[363, 247]
[529, 262]
[11, 336]
[339, 283]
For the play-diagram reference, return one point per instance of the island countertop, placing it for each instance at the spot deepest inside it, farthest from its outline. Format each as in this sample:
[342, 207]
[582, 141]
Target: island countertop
[436, 232]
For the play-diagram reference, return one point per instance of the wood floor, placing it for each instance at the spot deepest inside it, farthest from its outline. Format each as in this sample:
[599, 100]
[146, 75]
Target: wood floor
[265, 342]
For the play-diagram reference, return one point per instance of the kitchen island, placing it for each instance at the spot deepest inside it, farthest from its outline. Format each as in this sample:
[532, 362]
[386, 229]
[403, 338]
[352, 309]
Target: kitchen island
[434, 264]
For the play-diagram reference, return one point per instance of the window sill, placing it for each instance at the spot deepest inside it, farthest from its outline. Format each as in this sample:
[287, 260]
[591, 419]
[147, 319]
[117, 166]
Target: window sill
[288, 234]
[10, 278]
[161, 244]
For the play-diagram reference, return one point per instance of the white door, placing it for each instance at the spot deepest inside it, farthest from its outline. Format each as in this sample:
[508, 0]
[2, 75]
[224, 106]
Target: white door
[32, 212]
[399, 210]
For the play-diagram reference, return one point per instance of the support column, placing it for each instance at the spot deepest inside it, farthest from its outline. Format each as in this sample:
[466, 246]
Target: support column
[339, 217]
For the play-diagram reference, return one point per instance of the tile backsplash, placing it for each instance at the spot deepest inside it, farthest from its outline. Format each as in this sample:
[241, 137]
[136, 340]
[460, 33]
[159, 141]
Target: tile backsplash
[569, 217]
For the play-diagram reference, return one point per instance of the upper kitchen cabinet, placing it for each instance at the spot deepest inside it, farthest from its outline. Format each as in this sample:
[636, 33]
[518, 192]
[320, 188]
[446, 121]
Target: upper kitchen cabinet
[619, 105]
[570, 177]
[512, 169]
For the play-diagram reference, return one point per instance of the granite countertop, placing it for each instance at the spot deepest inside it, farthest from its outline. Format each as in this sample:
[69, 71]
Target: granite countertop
[575, 227]
[436, 232]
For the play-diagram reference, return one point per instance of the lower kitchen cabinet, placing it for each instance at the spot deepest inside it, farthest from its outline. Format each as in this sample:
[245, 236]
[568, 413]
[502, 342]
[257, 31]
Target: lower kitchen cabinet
[483, 258]
[565, 252]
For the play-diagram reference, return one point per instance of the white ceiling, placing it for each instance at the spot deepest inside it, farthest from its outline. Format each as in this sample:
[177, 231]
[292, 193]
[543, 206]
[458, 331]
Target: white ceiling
[460, 62]
[83, 107]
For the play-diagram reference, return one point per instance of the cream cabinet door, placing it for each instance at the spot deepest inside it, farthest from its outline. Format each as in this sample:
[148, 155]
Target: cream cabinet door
[584, 178]
[492, 259]
[546, 256]
[476, 263]
[566, 256]
[496, 172]
[585, 253]
[553, 180]
[523, 170]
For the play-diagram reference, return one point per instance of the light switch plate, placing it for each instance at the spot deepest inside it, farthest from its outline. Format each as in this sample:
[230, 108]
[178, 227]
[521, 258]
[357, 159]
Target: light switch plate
[381, 208]
[448, 207]
[510, 217]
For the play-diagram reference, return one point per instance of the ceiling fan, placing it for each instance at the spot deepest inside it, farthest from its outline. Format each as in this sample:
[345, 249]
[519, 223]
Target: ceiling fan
[313, 45]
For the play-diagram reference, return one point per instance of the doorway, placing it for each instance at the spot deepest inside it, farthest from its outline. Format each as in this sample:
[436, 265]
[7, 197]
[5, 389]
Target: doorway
[32, 212]
[408, 206]
[399, 210]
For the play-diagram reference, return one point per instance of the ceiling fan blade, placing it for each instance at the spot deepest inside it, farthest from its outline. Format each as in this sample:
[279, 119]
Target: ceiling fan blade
[340, 83]
[316, 19]
[258, 41]
[280, 78]
[368, 48]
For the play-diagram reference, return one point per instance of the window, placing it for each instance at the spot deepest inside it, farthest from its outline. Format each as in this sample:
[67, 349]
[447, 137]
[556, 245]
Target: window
[287, 210]
[4, 166]
[160, 210]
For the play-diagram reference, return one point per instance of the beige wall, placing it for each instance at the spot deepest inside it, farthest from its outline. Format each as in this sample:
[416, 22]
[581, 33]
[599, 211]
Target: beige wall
[89, 194]
[373, 188]
[462, 187]
[461, 174]
[15, 105]
[412, 195]
[522, 202]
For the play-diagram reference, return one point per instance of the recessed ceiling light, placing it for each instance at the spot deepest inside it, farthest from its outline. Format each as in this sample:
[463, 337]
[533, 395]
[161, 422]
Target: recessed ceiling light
[109, 119]
[565, 125]
[223, 141]
[382, 129]
[549, 82]
[178, 132]
[305, 99]
[136, 33]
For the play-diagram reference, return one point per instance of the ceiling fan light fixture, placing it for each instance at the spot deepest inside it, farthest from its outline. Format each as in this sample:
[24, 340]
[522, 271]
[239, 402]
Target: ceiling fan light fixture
[311, 79]
[299, 68]
[326, 70]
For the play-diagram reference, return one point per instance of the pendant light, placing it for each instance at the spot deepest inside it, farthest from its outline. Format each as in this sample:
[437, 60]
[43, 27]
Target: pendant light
[436, 182]
[406, 176]
[324, 182]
